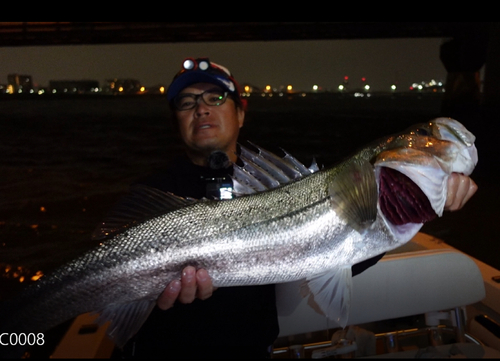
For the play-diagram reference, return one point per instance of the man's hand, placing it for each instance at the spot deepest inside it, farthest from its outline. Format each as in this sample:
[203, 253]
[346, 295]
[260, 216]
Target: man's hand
[460, 189]
[193, 284]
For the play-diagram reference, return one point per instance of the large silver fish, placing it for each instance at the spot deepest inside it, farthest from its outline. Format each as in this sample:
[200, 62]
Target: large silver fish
[298, 223]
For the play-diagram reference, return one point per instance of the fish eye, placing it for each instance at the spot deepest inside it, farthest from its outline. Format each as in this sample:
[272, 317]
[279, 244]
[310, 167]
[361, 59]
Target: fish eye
[421, 131]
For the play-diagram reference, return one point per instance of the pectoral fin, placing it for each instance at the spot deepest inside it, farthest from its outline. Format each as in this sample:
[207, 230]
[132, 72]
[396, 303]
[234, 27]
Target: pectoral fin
[354, 194]
[332, 293]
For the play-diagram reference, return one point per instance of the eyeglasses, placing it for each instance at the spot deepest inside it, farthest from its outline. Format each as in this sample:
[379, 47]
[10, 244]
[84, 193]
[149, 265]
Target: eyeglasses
[187, 101]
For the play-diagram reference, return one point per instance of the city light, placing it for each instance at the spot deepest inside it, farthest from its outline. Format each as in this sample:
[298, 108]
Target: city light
[24, 85]
[431, 86]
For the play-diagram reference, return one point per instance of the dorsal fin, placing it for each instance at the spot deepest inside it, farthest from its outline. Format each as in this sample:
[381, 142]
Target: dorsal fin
[301, 168]
[313, 168]
[140, 204]
[286, 167]
[260, 174]
[265, 170]
[251, 157]
[244, 182]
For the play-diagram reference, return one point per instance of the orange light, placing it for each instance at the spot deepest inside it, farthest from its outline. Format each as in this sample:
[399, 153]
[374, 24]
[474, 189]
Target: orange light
[37, 275]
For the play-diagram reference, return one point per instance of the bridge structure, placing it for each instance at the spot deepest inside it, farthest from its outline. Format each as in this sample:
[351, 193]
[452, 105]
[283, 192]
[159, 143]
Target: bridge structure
[470, 45]
[66, 33]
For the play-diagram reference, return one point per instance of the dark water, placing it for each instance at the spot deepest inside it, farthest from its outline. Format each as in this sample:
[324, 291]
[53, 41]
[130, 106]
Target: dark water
[65, 161]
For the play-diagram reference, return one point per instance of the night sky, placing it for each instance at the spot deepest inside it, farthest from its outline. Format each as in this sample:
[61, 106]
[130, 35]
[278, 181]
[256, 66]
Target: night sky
[302, 64]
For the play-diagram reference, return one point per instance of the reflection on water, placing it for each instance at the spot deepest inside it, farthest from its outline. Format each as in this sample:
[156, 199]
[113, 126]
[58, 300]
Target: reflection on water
[19, 273]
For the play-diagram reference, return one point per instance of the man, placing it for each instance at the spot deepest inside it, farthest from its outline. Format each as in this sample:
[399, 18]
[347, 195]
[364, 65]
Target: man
[230, 322]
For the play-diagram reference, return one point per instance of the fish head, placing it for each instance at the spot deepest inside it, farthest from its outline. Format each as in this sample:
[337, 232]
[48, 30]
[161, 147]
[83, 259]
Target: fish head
[413, 170]
[454, 146]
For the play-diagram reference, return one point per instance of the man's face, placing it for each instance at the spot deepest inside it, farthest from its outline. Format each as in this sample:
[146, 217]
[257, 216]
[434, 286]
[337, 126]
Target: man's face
[207, 128]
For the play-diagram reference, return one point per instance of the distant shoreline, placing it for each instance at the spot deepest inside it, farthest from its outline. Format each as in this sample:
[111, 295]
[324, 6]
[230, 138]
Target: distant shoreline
[250, 95]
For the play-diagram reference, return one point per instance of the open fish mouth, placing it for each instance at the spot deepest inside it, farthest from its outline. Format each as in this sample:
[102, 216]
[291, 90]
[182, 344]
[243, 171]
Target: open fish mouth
[401, 200]
[412, 175]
